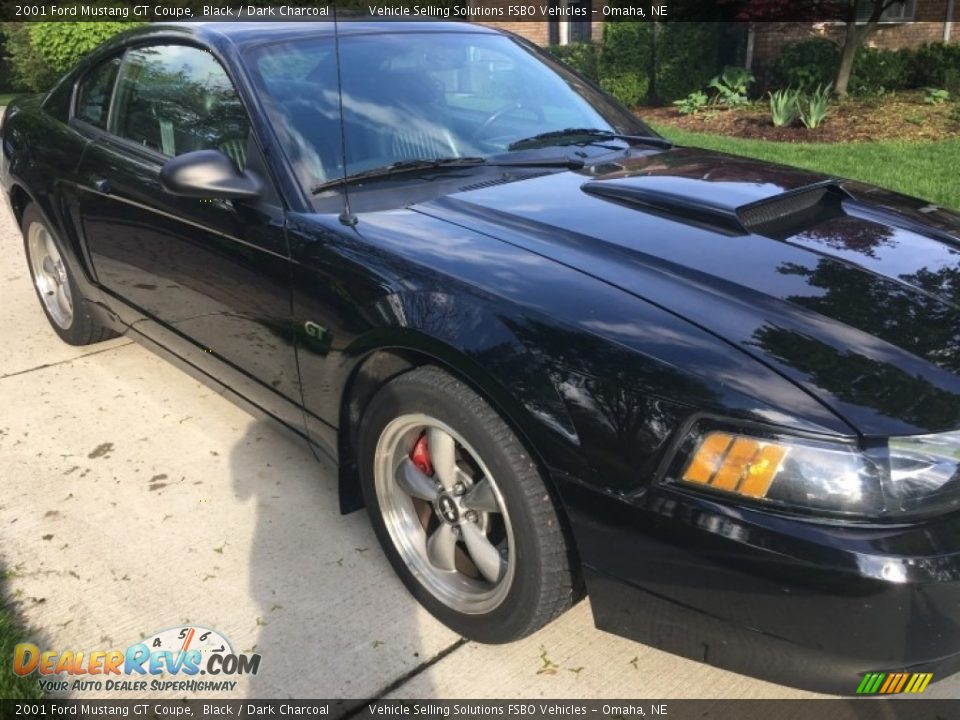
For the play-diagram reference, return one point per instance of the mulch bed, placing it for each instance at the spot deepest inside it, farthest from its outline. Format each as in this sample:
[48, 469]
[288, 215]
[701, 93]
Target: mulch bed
[900, 116]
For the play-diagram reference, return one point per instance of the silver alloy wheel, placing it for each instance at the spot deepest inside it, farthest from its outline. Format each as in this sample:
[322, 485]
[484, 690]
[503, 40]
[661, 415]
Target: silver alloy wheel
[50, 276]
[450, 527]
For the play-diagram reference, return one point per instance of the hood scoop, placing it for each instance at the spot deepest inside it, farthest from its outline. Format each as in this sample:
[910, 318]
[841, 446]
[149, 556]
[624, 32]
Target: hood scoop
[777, 216]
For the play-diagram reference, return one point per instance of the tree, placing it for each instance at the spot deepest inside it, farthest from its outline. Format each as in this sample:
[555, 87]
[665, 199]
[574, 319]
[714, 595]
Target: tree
[855, 35]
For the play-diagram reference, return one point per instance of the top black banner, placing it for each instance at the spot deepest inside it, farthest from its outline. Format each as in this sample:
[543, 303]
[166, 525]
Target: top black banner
[505, 11]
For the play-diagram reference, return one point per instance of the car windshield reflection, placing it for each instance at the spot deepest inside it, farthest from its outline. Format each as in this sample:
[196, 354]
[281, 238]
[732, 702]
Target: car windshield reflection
[420, 96]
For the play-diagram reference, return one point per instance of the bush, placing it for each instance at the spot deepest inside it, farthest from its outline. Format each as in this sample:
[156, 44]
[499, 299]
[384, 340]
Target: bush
[638, 62]
[806, 64]
[687, 57]
[629, 88]
[582, 57]
[878, 71]
[38, 53]
[934, 65]
[625, 61]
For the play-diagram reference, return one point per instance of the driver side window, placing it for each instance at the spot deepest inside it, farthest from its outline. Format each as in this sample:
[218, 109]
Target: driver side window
[176, 99]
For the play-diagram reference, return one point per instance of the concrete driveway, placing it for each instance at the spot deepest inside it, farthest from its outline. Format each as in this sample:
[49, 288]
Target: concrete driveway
[136, 499]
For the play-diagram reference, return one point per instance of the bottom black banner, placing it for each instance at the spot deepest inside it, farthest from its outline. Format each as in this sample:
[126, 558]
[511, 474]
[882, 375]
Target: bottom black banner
[859, 709]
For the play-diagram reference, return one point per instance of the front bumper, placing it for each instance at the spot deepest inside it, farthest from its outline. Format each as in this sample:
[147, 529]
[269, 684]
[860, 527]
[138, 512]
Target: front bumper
[791, 600]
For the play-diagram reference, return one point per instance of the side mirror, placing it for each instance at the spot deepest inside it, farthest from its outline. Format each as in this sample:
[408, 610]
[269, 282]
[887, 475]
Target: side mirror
[207, 174]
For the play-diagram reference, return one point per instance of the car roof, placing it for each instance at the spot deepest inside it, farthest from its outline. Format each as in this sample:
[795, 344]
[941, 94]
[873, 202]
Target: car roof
[248, 32]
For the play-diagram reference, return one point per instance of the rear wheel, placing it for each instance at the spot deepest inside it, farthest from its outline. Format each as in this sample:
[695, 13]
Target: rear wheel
[60, 298]
[461, 509]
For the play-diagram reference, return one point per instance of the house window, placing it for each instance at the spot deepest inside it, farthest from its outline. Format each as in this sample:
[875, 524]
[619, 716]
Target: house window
[902, 11]
[562, 32]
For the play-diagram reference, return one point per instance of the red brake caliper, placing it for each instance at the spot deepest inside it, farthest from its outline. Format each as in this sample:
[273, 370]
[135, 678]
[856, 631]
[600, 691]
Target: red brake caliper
[420, 455]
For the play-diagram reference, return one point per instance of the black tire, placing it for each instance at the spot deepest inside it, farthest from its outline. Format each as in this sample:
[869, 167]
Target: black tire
[80, 327]
[542, 583]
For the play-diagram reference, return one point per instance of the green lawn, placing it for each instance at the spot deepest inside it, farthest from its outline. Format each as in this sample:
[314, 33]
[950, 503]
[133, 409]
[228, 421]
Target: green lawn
[927, 170]
[12, 687]
[5, 98]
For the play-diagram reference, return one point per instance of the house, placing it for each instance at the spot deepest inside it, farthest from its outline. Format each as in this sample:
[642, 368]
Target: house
[905, 24]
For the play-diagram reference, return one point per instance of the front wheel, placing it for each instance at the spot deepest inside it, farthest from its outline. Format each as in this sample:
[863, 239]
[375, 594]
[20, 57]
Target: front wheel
[461, 509]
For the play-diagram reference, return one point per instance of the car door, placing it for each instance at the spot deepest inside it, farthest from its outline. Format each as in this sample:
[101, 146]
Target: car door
[208, 279]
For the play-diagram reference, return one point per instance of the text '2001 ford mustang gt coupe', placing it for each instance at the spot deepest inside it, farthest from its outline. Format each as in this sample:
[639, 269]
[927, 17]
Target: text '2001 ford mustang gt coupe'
[551, 353]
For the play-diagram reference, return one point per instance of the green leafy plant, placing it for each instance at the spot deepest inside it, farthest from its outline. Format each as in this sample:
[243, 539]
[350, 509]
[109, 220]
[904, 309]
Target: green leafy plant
[784, 107]
[692, 103]
[62, 44]
[935, 96]
[813, 107]
[732, 85]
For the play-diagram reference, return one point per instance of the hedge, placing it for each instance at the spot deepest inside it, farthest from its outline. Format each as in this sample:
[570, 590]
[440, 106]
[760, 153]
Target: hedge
[814, 62]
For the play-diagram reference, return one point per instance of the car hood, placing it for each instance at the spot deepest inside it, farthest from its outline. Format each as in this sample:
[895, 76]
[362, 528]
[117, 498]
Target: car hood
[850, 291]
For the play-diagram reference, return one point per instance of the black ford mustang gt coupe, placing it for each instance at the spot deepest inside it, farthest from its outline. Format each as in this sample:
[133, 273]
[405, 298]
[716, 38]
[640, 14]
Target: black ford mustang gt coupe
[551, 353]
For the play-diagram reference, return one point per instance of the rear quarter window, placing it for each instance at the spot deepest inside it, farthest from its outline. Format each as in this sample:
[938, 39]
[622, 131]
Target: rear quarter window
[94, 92]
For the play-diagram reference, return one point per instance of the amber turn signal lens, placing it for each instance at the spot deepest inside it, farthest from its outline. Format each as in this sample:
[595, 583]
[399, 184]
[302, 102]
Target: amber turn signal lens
[735, 463]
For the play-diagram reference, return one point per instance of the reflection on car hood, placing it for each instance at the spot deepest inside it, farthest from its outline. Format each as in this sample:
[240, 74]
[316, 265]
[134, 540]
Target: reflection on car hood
[850, 291]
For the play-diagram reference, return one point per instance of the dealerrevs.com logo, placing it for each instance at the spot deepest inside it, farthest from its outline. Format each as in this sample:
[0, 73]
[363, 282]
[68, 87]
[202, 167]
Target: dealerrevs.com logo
[186, 653]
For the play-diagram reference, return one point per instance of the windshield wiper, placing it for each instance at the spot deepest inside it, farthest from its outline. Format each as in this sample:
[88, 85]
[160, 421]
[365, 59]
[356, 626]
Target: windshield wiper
[399, 168]
[407, 166]
[590, 133]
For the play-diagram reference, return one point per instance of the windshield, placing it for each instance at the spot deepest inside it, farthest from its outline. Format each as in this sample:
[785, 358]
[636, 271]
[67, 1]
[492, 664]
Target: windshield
[418, 96]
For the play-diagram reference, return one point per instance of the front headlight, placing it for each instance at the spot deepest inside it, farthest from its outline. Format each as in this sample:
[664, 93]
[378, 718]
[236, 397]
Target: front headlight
[922, 472]
[905, 476]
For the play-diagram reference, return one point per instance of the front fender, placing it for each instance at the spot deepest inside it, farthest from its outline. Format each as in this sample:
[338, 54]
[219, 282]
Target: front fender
[475, 342]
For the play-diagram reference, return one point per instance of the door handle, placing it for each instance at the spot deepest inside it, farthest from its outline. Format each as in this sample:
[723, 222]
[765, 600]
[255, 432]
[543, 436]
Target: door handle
[103, 186]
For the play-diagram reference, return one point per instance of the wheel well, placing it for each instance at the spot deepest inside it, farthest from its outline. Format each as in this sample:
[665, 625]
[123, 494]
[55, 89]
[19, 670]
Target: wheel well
[19, 199]
[373, 372]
